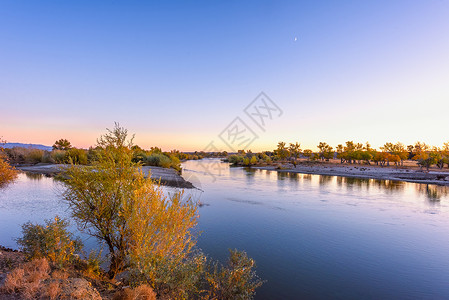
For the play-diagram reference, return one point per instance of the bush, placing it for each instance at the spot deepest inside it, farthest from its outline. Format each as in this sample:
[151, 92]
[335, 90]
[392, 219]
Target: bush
[237, 280]
[34, 156]
[235, 159]
[142, 292]
[27, 280]
[77, 156]
[52, 241]
[26, 155]
[162, 240]
[161, 160]
[58, 156]
[253, 160]
[7, 173]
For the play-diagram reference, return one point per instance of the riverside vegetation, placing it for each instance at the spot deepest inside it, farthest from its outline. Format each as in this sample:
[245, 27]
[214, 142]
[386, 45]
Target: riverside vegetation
[64, 153]
[424, 155]
[150, 238]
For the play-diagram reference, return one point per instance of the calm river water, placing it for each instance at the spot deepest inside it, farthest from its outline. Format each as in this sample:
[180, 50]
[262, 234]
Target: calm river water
[313, 237]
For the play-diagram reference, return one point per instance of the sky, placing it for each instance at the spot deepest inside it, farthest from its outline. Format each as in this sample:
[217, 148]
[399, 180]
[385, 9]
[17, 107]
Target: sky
[177, 74]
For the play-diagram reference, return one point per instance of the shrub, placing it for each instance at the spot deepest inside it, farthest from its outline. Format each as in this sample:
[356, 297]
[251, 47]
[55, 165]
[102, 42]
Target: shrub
[235, 159]
[253, 160]
[34, 156]
[58, 156]
[27, 280]
[52, 241]
[7, 173]
[93, 261]
[77, 156]
[237, 280]
[142, 292]
[46, 157]
[157, 160]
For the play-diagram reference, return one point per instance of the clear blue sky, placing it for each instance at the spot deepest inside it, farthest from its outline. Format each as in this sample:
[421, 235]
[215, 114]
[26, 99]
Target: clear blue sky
[176, 73]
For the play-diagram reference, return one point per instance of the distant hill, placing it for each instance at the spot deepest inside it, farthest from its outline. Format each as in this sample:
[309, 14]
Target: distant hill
[36, 146]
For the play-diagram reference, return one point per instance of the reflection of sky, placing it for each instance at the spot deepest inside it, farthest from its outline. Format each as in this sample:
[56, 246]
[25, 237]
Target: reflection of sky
[366, 192]
[356, 237]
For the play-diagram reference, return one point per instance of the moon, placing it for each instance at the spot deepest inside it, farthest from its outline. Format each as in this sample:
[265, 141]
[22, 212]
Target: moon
[296, 38]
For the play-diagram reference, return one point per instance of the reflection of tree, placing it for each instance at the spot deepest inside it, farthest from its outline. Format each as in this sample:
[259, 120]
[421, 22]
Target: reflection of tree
[293, 176]
[34, 176]
[282, 175]
[389, 185]
[433, 193]
[340, 181]
[325, 179]
[366, 183]
[250, 174]
[307, 177]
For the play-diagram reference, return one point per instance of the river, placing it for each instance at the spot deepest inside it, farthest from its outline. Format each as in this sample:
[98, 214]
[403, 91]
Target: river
[312, 236]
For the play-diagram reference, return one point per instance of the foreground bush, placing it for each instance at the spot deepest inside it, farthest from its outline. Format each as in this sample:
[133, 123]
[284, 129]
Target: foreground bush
[237, 280]
[52, 241]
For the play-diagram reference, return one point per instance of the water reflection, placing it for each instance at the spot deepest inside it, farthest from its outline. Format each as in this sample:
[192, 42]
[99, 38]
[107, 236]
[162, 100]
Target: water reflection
[432, 193]
[34, 176]
[359, 238]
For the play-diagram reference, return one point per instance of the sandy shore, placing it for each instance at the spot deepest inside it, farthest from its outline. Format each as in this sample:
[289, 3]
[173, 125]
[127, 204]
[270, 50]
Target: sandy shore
[366, 171]
[167, 177]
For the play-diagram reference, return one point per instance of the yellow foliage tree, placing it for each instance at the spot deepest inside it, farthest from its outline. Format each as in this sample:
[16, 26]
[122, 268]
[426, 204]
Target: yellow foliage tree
[114, 202]
[7, 172]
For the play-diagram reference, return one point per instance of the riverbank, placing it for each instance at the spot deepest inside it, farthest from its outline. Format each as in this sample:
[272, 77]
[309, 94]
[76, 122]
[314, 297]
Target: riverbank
[364, 171]
[168, 177]
[38, 279]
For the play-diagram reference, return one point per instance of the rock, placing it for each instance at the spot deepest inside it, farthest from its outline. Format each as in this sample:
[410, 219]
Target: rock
[78, 288]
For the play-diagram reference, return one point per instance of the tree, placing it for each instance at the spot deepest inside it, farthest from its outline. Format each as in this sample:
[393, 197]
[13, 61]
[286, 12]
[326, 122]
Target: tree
[340, 153]
[282, 151]
[326, 151]
[253, 160]
[7, 172]
[308, 153]
[295, 151]
[62, 144]
[398, 150]
[106, 198]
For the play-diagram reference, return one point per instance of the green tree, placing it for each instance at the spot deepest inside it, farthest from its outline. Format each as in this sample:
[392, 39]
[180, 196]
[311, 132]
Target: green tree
[326, 151]
[62, 144]
[253, 160]
[340, 153]
[281, 151]
[308, 153]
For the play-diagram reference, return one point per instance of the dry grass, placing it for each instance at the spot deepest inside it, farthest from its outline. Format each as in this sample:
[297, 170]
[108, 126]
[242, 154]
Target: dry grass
[142, 292]
[57, 274]
[14, 280]
[52, 290]
[27, 280]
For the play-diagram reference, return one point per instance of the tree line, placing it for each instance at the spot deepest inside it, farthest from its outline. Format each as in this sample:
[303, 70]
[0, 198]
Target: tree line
[351, 153]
